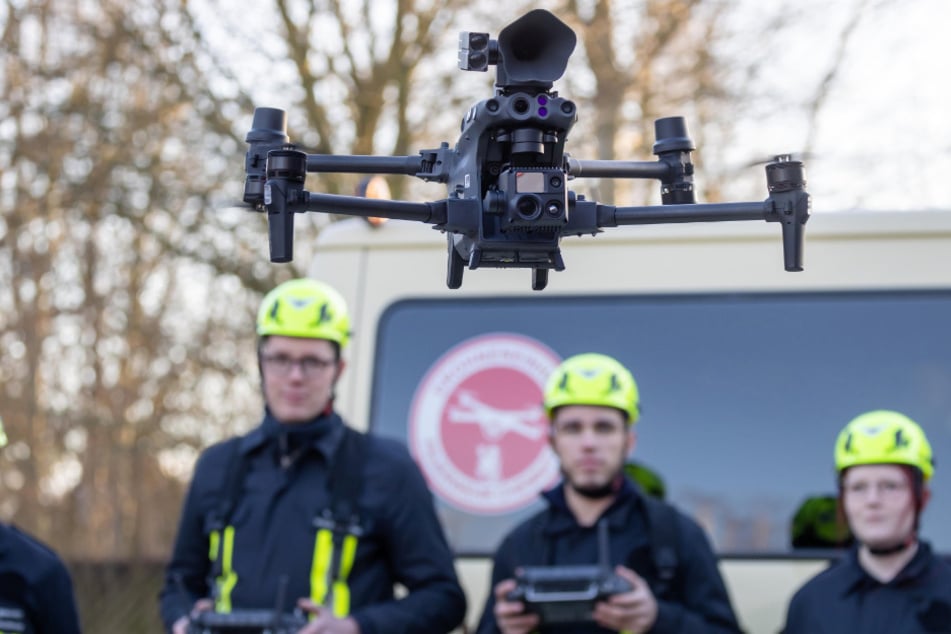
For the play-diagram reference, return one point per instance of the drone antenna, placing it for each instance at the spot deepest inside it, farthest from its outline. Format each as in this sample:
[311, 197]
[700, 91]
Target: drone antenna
[604, 545]
[279, 606]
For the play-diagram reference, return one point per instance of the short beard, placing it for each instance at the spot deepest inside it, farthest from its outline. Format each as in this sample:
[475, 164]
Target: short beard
[596, 492]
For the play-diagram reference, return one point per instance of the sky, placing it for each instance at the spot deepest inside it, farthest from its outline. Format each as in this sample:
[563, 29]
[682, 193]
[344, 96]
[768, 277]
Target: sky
[884, 136]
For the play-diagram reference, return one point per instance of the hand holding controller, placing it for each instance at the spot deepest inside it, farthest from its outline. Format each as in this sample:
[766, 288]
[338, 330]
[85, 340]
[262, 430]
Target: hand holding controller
[565, 594]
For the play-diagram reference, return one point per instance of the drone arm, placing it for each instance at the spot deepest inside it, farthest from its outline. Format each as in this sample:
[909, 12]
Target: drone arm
[428, 212]
[788, 204]
[356, 164]
[705, 212]
[429, 165]
[284, 200]
[283, 195]
[789, 207]
[673, 168]
[617, 169]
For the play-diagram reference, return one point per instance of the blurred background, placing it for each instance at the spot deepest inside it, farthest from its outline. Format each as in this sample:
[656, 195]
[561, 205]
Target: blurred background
[129, 274]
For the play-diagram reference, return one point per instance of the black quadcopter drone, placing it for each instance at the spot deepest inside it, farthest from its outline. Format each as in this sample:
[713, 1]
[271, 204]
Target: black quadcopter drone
[508, 204]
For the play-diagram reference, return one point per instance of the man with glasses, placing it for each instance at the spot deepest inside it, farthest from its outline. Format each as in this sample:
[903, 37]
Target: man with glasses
[890, 581]
[304, 512]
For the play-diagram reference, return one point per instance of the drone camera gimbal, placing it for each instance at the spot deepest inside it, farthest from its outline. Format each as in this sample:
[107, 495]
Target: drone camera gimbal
[508, 204]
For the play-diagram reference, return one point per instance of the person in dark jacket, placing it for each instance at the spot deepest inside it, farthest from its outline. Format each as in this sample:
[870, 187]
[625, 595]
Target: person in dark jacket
[890, 581]
[592, 402]
[305, 512]
[36, 592]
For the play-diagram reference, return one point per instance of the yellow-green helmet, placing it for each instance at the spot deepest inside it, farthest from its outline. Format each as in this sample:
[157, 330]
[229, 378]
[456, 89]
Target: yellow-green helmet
[592, 379]
[883, 437]
[305, 308]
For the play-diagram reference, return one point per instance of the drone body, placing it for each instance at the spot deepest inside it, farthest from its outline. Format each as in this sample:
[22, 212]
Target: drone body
[508, 204]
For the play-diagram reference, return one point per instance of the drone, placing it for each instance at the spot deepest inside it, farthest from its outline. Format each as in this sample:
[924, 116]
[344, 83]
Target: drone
[508, 203]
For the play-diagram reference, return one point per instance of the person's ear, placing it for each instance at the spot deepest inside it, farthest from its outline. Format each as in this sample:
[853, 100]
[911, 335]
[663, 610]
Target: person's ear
[925, 497]
[341, 366]
[551, 436]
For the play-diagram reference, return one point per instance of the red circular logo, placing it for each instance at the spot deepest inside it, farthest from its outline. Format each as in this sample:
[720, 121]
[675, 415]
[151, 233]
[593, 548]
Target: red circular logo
[477, 427]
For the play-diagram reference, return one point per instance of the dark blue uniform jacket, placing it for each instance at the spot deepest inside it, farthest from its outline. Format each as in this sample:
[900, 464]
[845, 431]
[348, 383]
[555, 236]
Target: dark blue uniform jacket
[844, 598]
[696, 602]
[36, 593]
[274, 530]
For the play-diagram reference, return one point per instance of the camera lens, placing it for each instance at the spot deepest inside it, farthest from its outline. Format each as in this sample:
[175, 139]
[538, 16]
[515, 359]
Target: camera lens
[527, 207]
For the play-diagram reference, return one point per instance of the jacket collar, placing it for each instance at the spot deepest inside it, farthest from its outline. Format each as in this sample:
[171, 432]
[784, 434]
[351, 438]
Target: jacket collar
[324, 433]
[858, 579]
[562, 520]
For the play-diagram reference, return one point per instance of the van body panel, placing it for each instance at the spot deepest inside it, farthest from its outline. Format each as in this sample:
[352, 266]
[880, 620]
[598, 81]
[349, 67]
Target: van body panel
[902, 259]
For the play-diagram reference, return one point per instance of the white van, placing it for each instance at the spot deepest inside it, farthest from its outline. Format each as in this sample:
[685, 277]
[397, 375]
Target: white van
[746, 372]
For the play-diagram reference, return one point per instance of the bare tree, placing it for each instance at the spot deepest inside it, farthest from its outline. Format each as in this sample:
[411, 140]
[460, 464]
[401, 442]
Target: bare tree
[121, 328]
[127, 287]
[366, 54]
[653, 59]
[128, 282]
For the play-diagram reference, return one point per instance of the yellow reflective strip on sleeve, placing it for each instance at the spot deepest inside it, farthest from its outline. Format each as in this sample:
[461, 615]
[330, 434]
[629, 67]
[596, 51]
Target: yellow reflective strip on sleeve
[323, 549]
[228, 578]
[348, 551]
[213, 545]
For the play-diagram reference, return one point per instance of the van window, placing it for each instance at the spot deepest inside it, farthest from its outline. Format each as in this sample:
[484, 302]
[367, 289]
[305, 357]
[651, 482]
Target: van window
[742, 397]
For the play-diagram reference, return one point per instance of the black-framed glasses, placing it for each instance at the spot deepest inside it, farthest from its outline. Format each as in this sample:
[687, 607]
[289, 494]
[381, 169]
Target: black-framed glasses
[309, 366]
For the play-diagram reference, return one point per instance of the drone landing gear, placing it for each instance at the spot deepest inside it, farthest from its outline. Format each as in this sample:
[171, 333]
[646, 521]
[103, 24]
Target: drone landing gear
[456, 266]
[539, 279]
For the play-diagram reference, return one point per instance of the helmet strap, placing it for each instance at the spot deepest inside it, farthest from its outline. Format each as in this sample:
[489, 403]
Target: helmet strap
[884, 551]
